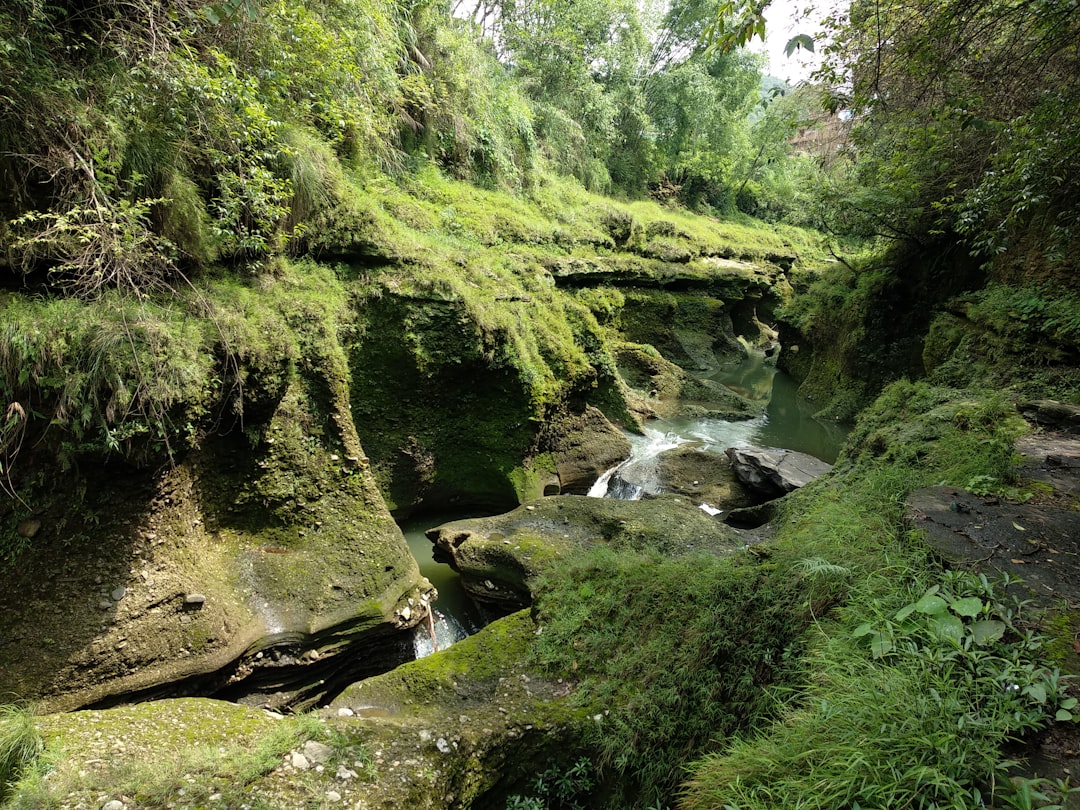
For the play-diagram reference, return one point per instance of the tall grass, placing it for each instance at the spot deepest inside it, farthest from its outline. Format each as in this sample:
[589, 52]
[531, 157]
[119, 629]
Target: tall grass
[20, 745]
[904, 707]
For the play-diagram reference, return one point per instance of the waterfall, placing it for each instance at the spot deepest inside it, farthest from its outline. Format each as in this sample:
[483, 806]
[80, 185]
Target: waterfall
[447, 631]
[636, 476]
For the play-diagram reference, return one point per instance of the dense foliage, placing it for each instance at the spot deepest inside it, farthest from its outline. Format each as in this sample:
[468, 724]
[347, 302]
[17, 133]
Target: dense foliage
[965, 122]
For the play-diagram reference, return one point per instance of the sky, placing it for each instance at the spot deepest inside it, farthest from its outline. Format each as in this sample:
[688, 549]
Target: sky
[782, 23]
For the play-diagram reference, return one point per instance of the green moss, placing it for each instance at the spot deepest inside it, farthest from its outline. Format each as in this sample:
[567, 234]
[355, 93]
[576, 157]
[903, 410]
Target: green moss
[1062, 629]
[162, 750]
[468, 667]
[674, 655]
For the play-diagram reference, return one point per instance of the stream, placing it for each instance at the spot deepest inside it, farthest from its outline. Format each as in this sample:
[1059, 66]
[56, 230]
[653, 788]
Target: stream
[455, 616]
[787, 422]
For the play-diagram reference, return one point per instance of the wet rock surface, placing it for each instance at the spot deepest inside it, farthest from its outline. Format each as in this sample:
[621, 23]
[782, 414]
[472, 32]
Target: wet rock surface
[772, 472]
[583, 446]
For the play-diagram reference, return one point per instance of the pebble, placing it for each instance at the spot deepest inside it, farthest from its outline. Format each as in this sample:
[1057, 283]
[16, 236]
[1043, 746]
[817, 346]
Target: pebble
[345, 774]
[333, 796]
[119, 593]
[442, 745]
[114, 804]
[105, 604]
[299, 761]
[317, 752]
[194, 599]
[345, 711]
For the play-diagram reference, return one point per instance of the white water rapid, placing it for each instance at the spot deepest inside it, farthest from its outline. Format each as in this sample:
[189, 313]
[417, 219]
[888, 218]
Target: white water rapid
[446, 629]
[637, 476]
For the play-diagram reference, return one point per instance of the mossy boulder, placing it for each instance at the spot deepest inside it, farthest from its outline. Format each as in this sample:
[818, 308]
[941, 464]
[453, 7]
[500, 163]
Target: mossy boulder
[443, 423]
[499, 557]
[464, 727]
[264, 562]
[703, 476]
[461, 728]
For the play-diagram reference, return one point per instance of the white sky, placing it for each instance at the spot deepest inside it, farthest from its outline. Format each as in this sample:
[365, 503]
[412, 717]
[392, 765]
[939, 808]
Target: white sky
[784, 19]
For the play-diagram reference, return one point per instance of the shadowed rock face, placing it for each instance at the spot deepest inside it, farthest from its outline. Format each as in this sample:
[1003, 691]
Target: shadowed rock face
[274, 570]
[499, 556]
[772, 472]
[584, 446]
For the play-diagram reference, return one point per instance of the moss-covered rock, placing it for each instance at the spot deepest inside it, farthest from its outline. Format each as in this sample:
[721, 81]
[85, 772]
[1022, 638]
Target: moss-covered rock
[499, 557]
[253, 563]
[464, 727]
[704, 477]
[582, 447]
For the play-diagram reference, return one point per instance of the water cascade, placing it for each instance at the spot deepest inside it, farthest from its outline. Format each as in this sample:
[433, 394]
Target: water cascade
[787, 422]
[455, 616]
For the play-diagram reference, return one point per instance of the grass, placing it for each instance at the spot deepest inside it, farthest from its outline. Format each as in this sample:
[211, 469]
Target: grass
[20, 745]
[175, 753]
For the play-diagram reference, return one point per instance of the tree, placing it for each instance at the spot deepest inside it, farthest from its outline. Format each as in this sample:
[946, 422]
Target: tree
[966, 117]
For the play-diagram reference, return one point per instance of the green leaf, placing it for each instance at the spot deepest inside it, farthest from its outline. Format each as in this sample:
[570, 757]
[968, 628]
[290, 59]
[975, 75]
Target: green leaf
[987, 631]
[1067, 703]
[1063, 715]
[947, 627]
[1036, 691]
[864, 629]
[799, 41]
[880, 645]
[931, 605]
[969, 606]
[904, 612]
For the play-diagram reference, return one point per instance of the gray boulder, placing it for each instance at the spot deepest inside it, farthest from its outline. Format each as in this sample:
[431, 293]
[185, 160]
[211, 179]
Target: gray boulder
[772, 471]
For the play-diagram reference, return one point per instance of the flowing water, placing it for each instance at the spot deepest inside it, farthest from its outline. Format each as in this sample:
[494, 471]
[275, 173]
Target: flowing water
[454, 616]
[787, 422]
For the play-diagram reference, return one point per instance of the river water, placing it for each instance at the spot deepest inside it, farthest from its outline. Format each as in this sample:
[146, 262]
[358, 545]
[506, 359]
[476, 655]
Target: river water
[787, 422]
[454, 614]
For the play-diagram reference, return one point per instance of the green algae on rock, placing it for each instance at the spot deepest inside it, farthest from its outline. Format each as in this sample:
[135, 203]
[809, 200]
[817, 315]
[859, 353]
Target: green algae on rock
[463, 727]
[499, 557]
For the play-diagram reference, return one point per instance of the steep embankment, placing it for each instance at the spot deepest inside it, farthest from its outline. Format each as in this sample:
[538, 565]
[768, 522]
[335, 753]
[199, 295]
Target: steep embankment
[202, 484]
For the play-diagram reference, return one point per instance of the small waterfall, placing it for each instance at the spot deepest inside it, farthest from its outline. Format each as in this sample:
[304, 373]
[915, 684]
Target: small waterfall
[622, 490]
[600, 488]
[636, 476]
[447, 631]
